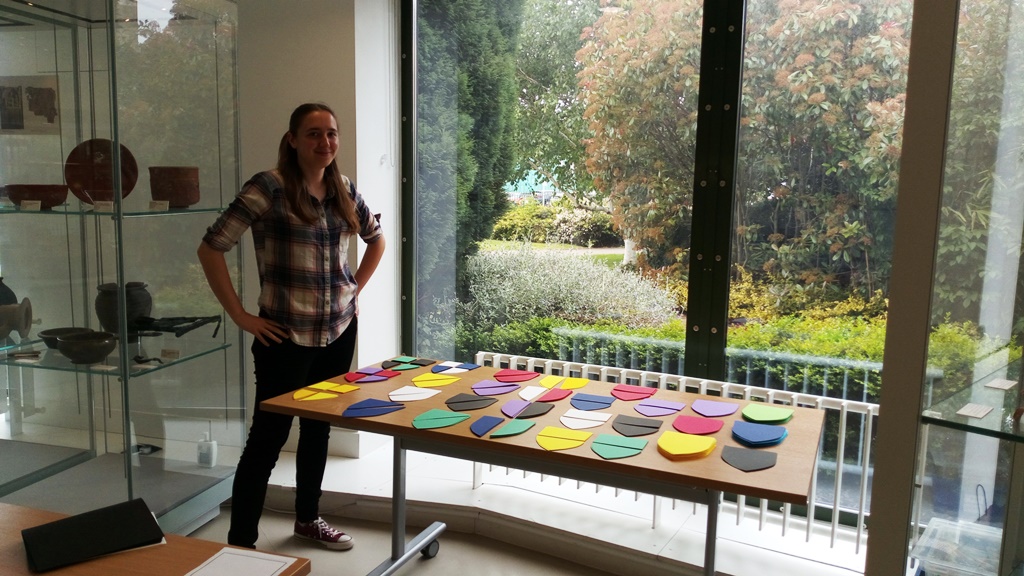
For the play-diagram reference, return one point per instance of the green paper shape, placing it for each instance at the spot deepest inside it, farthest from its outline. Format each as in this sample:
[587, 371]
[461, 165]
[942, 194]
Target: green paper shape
[403, 359]
[513, 428]
[766, 413]
[611, 447]
[438, 418]
[403, 367]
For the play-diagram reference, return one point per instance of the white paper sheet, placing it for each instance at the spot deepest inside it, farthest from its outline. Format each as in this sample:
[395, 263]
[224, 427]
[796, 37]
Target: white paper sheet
[241, 562]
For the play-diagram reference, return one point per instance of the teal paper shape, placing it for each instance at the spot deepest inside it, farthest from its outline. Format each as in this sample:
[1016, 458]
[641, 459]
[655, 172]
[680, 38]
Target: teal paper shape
[513, 428]
[611, 446]
[438, 418]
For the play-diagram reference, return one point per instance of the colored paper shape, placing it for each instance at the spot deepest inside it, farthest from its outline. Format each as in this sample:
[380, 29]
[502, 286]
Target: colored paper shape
[513, 428]
[766, 413]
[510, 375]
[512, 408]
[371, 407]
[654, 408]
[630, 392]
[551, 381]
[387, 373]
[757, 435]
[333, 387]
[530, 393]
[453, 367]
[635, 426]
[535, 409]
[613, 446]
[353, 376]
[306, 394]
[404, 367]
[443, 366]
[574, 383]
[396, 362]
[463, 401]
[369, 370]
[714, 408]
[411, 394]
[678, 446]
[423, 362]
[583, 419]
[555, 394]
[431, 380]
[697, 424]
[494, 388]
[371, 378]
[484, 424]
[438, 418]
[555, 438]
[748, 460]
[582, 401]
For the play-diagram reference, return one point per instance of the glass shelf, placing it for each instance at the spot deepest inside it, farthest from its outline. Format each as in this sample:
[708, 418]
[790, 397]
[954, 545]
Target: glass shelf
[997, 423]
[184, 350]
[68, 210]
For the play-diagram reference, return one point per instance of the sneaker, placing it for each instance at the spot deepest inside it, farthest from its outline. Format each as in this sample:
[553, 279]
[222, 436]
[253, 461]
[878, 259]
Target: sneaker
[321, 532]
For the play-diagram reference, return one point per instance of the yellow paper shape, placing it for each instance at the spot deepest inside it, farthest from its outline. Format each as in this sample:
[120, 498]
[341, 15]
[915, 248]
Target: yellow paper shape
[342, 388]
[325, 385]
[574, 383]
[550, 381]
[302, 393]
[555, 438]
[680, 446]
[432, 380]
[315, 395]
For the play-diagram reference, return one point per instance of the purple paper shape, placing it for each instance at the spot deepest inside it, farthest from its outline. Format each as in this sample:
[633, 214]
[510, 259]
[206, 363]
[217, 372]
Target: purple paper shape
[493, 387]
[513, 408]
[714, 409]
[371, 378]
[368, 370]
[654, 408]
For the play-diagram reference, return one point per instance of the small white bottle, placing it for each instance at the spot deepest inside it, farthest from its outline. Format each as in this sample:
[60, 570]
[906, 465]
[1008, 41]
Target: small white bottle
[207, 451]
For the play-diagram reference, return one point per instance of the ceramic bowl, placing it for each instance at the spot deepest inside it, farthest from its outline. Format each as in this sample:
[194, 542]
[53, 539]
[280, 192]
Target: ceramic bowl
[87, 347]
[50, 336]
[48, 195]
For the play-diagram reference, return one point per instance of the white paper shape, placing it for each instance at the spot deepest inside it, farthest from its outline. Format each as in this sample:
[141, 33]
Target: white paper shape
[241, 562]
[582, 419]
[411, 393]
[531, 392]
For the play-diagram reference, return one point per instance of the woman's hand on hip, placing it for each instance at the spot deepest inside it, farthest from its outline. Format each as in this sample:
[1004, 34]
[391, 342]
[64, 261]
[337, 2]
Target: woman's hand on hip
[263, 329]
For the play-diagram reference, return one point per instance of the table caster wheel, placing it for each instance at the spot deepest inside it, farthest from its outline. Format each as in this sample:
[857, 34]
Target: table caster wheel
[430, 550]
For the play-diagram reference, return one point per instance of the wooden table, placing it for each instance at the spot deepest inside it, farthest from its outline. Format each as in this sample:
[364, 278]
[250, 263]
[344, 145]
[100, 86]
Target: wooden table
[702, 480]
[177, 557]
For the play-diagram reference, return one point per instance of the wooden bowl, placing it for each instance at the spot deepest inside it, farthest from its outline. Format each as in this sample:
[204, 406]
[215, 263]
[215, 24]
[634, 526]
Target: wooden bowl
[48, 195]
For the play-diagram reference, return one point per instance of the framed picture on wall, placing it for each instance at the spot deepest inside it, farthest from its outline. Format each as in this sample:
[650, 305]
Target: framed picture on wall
[29, 105]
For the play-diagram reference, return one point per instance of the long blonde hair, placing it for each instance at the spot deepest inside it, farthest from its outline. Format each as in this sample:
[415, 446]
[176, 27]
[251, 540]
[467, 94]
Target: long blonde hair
[291, 175]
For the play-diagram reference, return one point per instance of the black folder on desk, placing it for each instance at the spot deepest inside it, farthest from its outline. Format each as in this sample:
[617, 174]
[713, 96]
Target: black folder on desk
[91, 534]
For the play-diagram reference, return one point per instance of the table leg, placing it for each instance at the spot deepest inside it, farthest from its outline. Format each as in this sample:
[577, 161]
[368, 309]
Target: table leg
[711, 536]
[424, 542]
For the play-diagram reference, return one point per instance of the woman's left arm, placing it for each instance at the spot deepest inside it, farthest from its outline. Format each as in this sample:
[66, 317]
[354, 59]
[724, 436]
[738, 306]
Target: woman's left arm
[368, 264]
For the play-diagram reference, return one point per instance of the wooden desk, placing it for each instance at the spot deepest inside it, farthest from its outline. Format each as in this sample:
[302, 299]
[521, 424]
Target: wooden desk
[702, 480]
[175, 558]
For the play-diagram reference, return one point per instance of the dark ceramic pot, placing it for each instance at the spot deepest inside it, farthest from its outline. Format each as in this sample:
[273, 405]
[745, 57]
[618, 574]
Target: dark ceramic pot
[178, 185]
[87, 347]
[138, 303]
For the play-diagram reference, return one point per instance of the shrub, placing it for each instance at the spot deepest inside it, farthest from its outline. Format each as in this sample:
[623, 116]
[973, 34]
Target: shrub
[581, 227]
[527, 222]
[509, 286]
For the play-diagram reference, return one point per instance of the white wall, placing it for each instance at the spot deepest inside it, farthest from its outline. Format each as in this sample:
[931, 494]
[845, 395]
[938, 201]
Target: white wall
[332, 51]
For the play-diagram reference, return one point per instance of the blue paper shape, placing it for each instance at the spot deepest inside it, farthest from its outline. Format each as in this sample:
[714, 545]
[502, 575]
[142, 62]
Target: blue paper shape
[591, 401]
[758, 435]
[485, 424]
[371, 407]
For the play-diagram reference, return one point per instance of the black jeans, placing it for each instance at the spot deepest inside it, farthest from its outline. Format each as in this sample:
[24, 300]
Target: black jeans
[282, 368]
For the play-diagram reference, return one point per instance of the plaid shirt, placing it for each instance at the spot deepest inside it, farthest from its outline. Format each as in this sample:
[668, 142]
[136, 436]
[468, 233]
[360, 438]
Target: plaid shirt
[305, 281]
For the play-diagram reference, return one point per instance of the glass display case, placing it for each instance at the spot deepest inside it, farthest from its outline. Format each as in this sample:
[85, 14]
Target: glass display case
[118, 147]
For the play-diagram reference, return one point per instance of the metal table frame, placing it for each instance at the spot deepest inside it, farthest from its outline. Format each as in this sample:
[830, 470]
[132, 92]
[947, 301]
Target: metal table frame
[426, 541]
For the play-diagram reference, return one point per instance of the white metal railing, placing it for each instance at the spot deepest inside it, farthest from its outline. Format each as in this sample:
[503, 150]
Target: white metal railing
[824, 496]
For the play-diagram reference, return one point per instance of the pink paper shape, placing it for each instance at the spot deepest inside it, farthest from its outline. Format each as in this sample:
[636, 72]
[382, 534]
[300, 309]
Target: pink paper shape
[510, 375]
[713, 409]
[493, 388]
[554, 395]
[629, 392]
[696, 424]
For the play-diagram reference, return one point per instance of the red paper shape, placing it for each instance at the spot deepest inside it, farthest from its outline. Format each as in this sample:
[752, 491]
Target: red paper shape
[510, 375]
[554, 395]
[697, 425]
[630, 392]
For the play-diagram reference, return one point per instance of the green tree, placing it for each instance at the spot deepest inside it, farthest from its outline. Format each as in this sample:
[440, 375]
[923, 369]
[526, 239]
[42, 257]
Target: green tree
[550, 127]
[465, 146]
